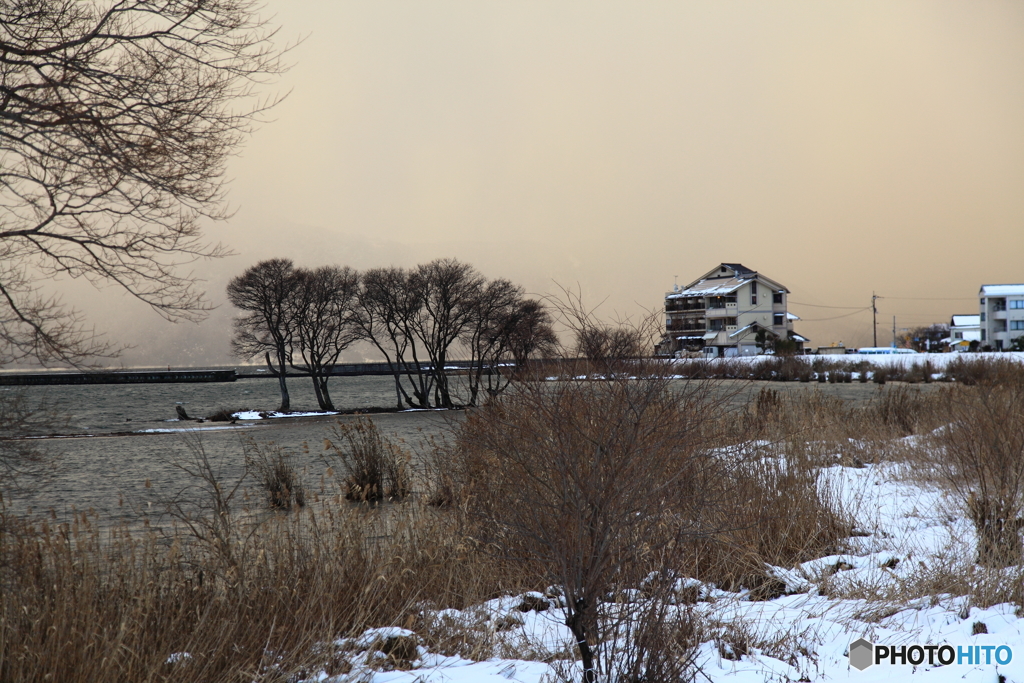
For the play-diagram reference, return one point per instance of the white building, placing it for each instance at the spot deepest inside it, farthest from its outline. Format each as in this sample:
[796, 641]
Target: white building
[1002, 315]
[963, 329]
[730, 310]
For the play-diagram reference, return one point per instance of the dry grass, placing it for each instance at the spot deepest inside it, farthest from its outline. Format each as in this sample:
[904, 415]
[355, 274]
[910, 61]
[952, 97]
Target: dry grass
[375, 468]
[252, 595]
[81, 605]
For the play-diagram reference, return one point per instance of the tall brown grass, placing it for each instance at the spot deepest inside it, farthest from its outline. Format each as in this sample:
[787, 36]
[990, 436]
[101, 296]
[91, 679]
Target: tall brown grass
[80, 604]
[372, 466]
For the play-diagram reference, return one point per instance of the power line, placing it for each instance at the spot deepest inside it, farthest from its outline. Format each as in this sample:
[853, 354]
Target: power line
[820, 306]
[844, 315]
[926, 298]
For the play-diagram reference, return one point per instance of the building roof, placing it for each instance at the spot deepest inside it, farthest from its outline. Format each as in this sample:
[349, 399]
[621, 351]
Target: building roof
[716, 287]
[966, 321]
[1002, 290]
[724, 279]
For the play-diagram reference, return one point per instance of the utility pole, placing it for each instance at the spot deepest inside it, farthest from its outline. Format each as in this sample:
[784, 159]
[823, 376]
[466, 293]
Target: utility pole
[874, 316]
[894, 332]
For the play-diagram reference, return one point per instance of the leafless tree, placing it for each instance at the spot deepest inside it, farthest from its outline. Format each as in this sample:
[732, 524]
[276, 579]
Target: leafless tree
[505, 331]
[449, 291]
[323, 305]
[263, 292]
[116, 120]
[609, 349]
[387, 306]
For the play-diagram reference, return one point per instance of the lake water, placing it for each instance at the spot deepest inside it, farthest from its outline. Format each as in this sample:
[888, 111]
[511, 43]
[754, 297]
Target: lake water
[119, 451]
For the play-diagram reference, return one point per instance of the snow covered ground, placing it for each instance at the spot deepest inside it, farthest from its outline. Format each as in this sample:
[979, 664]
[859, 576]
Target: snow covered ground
[878, 590]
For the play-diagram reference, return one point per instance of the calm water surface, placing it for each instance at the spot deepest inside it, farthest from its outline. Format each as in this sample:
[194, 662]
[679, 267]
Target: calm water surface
[118, 453]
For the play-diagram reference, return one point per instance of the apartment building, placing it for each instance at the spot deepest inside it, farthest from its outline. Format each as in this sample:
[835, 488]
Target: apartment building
[730, 310]
[1002, 315]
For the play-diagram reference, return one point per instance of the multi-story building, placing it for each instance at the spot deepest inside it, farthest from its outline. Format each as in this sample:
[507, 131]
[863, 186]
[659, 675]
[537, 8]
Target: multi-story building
[1002, 315]
[730, 310]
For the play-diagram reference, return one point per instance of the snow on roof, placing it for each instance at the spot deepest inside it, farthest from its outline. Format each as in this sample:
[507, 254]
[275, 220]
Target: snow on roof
[792, 316]
[715, 287]
[1002, 290]
[800, 338]
[751, 325]
[966, 321]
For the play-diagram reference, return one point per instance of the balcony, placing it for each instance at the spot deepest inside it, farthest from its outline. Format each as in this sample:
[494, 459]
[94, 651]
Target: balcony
[684, 305]
[721, 302]
[684, 326]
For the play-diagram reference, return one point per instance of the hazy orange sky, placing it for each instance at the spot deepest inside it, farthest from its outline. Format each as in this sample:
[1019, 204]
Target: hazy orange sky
[839, 148]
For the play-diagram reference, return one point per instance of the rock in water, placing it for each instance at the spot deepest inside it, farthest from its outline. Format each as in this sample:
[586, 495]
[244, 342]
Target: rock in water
[182, 415]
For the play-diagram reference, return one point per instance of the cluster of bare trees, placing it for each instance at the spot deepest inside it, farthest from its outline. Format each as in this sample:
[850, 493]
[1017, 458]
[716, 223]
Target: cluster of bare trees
[418, 319]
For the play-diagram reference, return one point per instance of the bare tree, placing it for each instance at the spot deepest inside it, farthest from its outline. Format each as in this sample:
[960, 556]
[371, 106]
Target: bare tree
[505, 331]
[263, 292]
[485, 335]
[324, 321]
[449, 291]
[387, 306]
[116, 119]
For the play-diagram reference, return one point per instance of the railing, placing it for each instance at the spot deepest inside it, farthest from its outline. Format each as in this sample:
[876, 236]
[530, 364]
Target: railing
[677, 307]
[675, 326]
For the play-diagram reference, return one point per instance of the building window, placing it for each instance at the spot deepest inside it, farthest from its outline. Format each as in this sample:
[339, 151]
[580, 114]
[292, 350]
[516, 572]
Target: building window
[1017, 303]
[958, 335]
[983, 335]
[777, 297]
[779, 319]
[753, 293]
[983, 316]
[1017, 324]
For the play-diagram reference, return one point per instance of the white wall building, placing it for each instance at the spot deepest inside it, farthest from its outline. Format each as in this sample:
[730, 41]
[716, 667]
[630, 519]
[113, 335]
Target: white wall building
[730, 310]
[1002, 315]
[963, 329]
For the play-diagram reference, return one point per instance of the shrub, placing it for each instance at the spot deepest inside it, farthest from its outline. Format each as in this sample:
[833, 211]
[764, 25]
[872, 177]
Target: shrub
[375, 467]
[596, 484]
[980, 454]
[274, 474]
[971, 370]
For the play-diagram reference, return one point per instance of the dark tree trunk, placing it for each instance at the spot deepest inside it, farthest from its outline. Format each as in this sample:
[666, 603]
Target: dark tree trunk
[325, 396]
[286, 401]
[576, 623]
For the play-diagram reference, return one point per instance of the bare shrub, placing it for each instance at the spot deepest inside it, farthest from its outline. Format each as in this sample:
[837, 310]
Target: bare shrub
[596, 484]
[375, 467]
[980, 455]
[970, 371]
[275, 475]
[898, 409]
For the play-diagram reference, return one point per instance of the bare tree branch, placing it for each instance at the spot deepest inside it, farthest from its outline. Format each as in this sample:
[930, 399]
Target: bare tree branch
[116, 120]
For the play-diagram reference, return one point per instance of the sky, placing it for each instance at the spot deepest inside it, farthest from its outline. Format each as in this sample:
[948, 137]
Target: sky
[615, 148]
